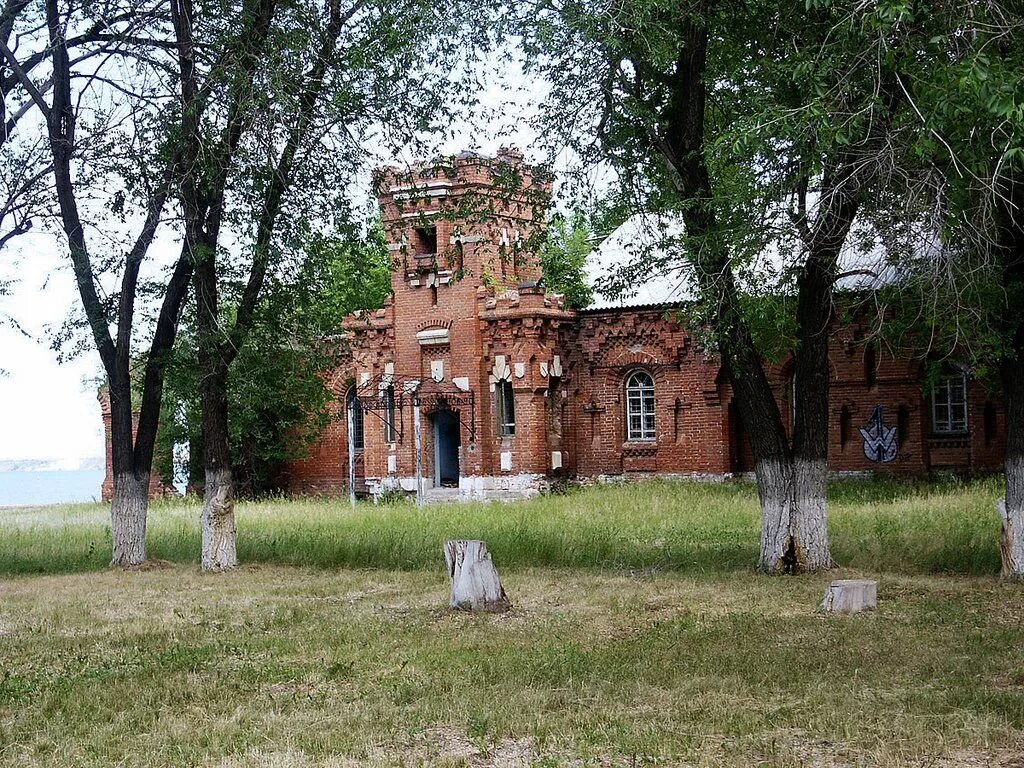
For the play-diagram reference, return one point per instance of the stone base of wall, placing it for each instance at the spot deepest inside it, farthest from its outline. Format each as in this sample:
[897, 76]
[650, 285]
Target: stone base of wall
[470, 488]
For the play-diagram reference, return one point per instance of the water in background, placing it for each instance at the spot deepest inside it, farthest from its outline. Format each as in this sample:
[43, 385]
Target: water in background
[50, 487]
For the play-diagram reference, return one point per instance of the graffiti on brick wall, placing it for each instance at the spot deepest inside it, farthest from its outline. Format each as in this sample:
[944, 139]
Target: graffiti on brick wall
[879, 440]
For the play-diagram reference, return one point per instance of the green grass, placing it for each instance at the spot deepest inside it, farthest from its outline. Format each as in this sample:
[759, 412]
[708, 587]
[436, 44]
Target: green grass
[298, 667]
[640, 636]
[884, 526]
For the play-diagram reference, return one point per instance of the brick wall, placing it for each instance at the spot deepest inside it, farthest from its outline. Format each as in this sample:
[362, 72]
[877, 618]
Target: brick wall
[463, 273]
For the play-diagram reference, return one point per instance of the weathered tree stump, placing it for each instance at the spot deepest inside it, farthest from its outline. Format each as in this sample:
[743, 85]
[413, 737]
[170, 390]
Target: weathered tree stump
[850, 596]
[475, 582]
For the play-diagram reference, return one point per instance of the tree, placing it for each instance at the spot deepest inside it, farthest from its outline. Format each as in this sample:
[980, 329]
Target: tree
[278, 393]
[757, 125]
[962, 186]
[266, 159]
[109, 142]
[563, 255]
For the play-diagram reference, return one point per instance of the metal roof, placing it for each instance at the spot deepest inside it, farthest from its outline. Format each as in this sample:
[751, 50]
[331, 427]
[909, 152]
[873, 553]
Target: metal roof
[634, 266]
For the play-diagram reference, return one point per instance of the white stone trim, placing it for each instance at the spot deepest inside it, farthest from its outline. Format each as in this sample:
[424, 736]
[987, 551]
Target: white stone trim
[433, 337]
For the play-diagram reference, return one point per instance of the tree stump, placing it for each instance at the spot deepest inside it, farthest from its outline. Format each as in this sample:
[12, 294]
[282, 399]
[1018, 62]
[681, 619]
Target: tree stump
[850, 596]
[475, 582]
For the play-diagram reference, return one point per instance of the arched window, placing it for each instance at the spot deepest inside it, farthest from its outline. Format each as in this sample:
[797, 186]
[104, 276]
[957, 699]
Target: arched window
[388, 401]
[640, 421]
[505, 407]
[949, 403]
[357, 419]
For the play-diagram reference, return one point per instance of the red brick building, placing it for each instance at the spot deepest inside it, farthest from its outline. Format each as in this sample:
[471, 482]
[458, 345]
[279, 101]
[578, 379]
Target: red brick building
[512, 387]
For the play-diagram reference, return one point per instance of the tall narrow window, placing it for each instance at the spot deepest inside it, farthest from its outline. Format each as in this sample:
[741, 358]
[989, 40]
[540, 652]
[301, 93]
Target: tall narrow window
[554, 406]
[990, 422]
[845, 420]
[902, 425]
[792, 402]
[357, 419]
[949, 404]
[640, 420]
[388, 401]
[505, 405]
[870, 366]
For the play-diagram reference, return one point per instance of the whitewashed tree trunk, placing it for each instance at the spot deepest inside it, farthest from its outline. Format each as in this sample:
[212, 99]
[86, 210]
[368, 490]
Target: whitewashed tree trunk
[794, 516]
[218, 522]
[775, 495]
[475, 582]
[811, 550]
[128, 509]
[1011, 510]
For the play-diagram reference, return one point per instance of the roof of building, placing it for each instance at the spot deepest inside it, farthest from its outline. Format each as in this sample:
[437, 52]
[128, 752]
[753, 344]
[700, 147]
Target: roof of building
[635, 266]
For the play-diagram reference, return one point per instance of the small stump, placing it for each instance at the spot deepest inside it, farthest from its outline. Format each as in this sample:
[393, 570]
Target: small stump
[475, 582]
[850, 596]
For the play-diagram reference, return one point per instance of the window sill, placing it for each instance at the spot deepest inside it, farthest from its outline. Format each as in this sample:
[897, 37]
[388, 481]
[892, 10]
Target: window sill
[951, 436]
[637, 448]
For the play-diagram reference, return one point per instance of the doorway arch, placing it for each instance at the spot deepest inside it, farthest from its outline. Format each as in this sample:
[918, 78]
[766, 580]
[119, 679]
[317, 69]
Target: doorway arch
[446, 448]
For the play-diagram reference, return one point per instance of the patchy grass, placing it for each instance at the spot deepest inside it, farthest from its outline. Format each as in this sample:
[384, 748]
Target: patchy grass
[290, 667]
[640, 636]
[882, 526]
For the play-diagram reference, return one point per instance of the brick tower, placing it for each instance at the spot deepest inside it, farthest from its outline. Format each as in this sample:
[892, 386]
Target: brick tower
[468, 331]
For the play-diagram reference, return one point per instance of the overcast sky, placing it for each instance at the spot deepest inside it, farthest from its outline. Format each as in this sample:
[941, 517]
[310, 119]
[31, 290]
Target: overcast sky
[48, 410]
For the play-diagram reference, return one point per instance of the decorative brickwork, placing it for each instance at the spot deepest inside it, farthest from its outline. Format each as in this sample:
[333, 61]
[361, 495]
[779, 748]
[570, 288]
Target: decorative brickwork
[468, 316]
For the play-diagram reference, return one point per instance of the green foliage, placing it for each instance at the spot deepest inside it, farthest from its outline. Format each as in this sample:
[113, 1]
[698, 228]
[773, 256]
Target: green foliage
[962, 180]
[795, 89]
[278, 396]
[563, 257]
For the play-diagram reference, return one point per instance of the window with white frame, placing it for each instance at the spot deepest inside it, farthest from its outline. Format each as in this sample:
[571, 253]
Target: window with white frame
[388, 398]
[505, 406]
[357, 419]
[640, 421]
[949, 404]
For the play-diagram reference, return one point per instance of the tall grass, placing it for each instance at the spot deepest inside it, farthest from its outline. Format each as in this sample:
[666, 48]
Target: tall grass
[878, 526]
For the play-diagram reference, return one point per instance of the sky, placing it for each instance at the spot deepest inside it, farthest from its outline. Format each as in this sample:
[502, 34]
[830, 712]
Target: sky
[48, 408]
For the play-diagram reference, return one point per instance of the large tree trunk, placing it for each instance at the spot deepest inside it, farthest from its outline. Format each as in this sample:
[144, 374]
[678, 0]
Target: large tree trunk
[1011, 542]
[809, 546]
[218, 517]
[128, 509]
[794, 516]
[775, 494]
[791, 478]
[218, 521]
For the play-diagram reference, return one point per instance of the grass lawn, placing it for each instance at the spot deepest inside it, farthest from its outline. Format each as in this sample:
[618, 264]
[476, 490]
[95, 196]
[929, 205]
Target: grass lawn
[640, 636]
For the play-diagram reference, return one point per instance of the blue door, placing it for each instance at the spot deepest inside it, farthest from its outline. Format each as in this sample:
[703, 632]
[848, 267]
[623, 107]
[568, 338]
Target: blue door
[446, 448]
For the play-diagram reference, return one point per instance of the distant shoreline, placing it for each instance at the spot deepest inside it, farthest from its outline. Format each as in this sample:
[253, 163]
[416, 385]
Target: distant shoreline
[52, 465]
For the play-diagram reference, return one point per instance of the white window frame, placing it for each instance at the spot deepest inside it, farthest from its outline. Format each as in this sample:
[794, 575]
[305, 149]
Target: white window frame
[505, 407]
[641, 420]
[388, 396]
[949, 404]
[358, 420]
